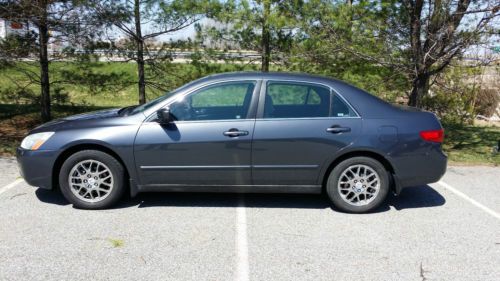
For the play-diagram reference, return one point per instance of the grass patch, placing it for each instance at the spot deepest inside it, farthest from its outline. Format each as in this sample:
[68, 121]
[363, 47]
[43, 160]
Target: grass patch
[468, 144]
[116, 243]
[111, 84]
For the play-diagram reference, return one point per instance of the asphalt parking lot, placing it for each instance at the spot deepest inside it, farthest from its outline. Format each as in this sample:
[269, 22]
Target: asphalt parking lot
[445, 231]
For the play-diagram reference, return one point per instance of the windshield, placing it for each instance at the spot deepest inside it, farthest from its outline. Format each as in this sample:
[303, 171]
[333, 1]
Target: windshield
[150, 104]
[158, 100]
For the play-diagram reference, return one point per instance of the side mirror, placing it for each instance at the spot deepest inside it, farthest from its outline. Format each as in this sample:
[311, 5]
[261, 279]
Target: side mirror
[164, 116]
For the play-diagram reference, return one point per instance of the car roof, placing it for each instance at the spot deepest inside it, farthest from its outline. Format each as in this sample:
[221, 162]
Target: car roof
[271, 75]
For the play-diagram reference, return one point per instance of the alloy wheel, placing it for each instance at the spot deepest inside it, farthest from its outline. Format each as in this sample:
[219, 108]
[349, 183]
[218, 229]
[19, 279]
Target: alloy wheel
[90, 181]
[358, 185]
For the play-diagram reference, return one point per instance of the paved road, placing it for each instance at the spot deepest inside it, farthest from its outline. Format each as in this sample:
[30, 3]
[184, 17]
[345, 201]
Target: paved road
[427, 233]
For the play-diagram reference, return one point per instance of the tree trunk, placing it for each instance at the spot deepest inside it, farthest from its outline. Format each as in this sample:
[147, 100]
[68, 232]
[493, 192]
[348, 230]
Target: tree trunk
[44, 62]
[266, 37]
[420, 88]
[140, 53]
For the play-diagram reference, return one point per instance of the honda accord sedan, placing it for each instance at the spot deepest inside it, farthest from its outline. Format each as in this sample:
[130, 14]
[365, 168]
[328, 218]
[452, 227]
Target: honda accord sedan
[240, 132]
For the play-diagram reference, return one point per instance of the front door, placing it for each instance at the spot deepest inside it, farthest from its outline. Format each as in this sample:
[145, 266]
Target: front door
[209, 144]
[299, 127]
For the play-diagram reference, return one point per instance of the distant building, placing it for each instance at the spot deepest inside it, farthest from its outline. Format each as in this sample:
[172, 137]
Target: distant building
[9, 27]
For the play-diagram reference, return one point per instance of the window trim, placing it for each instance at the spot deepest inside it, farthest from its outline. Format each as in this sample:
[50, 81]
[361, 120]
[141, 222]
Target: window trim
[252, 110]
[262, 98]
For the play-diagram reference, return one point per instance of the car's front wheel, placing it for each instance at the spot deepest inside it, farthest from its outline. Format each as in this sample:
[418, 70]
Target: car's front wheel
[358, 184]
[92, 179]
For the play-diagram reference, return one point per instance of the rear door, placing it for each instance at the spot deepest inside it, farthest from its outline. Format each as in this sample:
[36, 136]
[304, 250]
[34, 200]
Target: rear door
[208, 145]
[299, 126]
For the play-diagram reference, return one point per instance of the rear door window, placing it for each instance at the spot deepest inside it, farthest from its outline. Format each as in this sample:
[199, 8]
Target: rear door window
[296, 100]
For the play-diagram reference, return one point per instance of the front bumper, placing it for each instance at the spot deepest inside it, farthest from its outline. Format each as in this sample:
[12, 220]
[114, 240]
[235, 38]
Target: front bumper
[36, 166]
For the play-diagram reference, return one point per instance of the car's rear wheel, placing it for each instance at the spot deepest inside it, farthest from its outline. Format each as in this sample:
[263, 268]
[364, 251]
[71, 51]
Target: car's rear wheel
[358, 184]
[92, 179]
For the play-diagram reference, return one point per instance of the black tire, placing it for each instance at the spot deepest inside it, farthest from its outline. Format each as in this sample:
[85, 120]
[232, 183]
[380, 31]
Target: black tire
[334, 177]
[115, 168]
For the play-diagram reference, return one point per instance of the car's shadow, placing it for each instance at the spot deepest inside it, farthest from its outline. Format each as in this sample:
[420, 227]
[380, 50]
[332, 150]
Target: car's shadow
[411, 197]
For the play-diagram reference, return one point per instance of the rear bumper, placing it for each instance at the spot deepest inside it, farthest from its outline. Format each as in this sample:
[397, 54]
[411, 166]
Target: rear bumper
[419, 169]
[36, 166]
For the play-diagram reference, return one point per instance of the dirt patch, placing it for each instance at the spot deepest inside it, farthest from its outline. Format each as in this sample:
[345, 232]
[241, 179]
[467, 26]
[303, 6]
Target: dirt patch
[13, 130]
[18, 126]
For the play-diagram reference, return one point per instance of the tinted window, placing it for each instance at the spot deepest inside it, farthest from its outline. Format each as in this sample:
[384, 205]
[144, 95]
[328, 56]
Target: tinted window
[218, 102]
[296, 100]
[340, 108]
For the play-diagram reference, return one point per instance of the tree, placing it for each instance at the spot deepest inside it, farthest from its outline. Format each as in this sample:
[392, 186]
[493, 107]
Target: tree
[265, 26]
[441, 30]
[416, 38]
[159, 18]
[349, 40]
[49, 19]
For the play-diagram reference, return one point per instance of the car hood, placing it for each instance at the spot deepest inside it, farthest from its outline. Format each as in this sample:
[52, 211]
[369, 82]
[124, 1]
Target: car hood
[70, 121]
[108, 113]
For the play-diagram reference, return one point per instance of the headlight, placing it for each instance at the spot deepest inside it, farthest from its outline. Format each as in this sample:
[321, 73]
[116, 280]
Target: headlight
[34, 141]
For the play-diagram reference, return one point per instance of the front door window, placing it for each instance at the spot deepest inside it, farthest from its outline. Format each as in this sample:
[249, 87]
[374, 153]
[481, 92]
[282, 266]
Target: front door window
[226, 101]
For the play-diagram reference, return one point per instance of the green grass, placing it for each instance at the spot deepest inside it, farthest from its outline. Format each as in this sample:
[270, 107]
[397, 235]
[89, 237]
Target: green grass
[108, 84]
[103, 84]
[116, 243]
[468, 144]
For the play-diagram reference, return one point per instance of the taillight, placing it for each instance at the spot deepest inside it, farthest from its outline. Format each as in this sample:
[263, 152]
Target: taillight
[433, 135]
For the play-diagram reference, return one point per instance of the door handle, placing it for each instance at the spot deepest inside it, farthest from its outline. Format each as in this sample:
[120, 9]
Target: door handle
[338, 129]
[233, 132]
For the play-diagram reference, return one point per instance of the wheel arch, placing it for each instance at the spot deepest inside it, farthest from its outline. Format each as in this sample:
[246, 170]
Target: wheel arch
[364, 153]
[67, 152]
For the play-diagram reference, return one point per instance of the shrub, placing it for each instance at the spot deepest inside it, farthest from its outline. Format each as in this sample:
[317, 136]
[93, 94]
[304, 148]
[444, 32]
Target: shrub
[487, 101]
[13, 95]
[452, 97]
[18, 96]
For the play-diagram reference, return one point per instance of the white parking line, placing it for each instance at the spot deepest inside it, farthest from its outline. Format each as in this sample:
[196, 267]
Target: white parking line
[10, 185]
[467, 198]
[241, 242]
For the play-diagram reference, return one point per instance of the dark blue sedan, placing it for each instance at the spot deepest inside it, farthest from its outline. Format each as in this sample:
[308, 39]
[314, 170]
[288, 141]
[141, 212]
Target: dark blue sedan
[241, 132]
